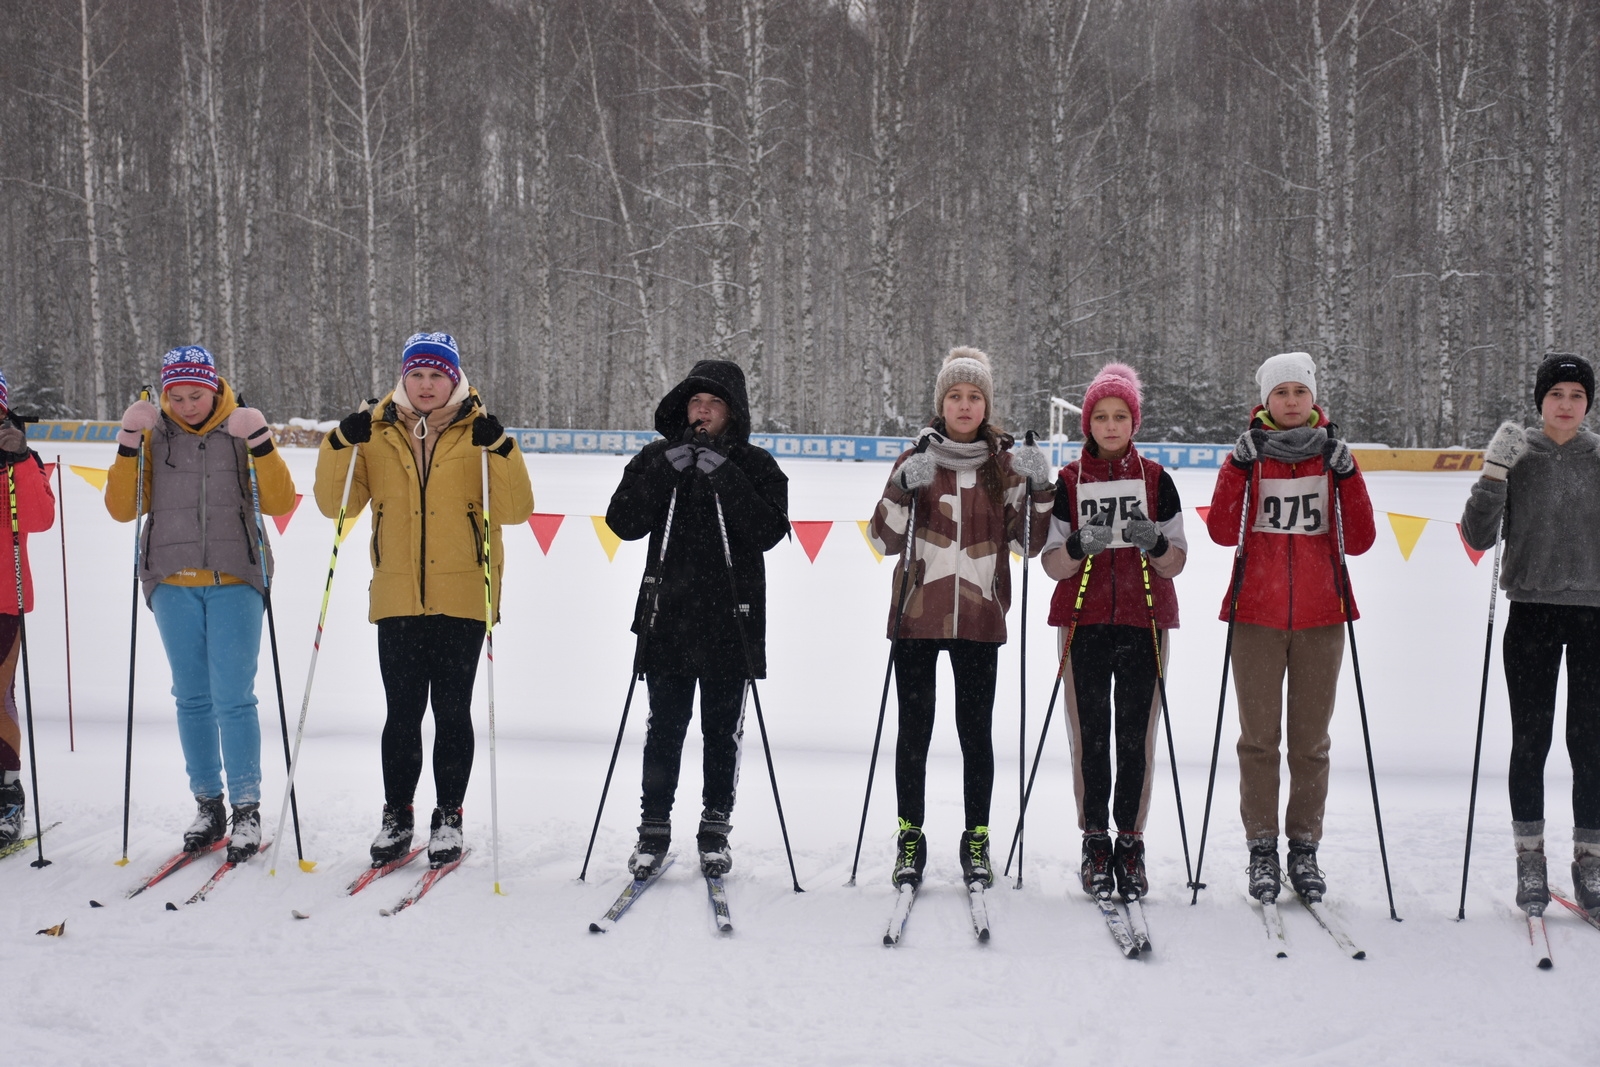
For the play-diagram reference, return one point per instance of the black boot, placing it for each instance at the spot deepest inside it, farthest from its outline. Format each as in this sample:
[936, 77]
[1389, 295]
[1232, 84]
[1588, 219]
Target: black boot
[1098, 881]
[1127, 863]
[1304, 874]
[1264, 873]
[911, 855]
[975, 865]
[13, 811]
[244, 840]
[650, 854]
[444, 837]
[209, 826]
[716, 857]
[394, 837]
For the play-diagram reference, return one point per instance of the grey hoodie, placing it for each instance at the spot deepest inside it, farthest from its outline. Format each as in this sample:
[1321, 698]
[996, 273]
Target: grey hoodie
[1551, 503]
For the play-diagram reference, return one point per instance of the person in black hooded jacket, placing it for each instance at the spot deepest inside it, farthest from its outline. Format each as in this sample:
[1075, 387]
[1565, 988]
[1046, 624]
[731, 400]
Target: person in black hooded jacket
[681, 492]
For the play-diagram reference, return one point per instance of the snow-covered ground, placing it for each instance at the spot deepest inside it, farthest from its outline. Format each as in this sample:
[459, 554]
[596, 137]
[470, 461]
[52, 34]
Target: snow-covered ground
[475, 978]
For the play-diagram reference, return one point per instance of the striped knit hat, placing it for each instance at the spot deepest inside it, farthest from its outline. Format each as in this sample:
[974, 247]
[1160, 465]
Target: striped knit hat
[436, 350]
[189, 365]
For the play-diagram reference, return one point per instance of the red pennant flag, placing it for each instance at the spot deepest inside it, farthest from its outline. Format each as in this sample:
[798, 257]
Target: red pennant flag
[544, 529]
[811, 535]
[1474, 554]
[1204, 512]
[49, 471]
[282, 521]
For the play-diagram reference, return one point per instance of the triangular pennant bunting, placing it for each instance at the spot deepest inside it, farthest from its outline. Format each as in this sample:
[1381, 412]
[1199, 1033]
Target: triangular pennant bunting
[862, 523]
[608, 540]
[282, 521]
[1474, 554]
[811, 535]
[1407, 528]
[1204, 512]
[49, 471]
[544, 529]
[95, 476]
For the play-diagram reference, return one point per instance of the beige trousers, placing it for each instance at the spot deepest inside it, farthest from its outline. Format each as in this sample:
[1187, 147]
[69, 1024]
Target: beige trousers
[1262, 656]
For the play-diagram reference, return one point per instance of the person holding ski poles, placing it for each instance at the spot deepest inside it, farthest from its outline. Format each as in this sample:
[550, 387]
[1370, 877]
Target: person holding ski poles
[36, 512]
[972, 496]
[1116, 542]
[703, 487]
[1299, 482]
[418, 458]
[1540, 490]
[202, 576]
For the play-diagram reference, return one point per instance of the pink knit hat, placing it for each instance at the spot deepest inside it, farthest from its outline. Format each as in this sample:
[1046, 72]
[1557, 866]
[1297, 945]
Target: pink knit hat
[1118, 380]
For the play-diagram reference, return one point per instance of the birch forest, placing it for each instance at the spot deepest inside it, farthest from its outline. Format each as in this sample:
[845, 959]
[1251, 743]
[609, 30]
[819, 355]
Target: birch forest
[593, 194]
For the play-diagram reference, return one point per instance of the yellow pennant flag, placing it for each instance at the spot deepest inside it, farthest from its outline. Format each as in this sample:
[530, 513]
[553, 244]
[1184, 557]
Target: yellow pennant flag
[862, 523]
[95, 476]
[1407, 528]
[608, 540]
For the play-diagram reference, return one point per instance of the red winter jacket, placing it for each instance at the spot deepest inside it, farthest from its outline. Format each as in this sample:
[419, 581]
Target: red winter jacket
[36, 513]
[1291, 568]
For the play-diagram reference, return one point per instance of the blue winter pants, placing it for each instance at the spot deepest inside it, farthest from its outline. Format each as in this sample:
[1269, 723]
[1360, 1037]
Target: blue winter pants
[212, 635]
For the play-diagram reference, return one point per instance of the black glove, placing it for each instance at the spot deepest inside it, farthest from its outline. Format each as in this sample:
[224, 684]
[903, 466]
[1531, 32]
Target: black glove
[486, 430]
[356, 427]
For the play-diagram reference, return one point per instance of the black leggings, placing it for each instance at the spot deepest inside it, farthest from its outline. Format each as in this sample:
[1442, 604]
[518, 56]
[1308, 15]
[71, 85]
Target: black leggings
[973, 663]
[721, 730]
[1535, 636]
[1099, 653]
[419, 656]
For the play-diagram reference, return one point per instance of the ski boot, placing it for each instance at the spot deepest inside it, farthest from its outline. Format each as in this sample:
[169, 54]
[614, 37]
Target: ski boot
[1304, 874]
[1586, 869]
[444, 837]
[1127, 863]
[13, 810]
[716, 857]
[244, 840]
[1098, 879]
[975, 865]
[209, 826]
[650, 854]
[1533, 880]
[911, 855]
[394, 837]
[1264, 873]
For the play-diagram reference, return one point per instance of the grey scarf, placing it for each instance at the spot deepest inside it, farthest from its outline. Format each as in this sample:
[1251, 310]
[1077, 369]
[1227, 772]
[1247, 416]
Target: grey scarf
[955, 456]
[1296, 445]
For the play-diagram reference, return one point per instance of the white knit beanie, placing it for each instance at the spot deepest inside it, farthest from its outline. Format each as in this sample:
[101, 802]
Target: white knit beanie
[967, 365]
[1287, 367]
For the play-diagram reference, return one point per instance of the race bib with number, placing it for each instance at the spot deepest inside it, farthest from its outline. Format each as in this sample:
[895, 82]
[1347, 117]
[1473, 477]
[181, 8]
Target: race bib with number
[1292, 505]
[1116, 499]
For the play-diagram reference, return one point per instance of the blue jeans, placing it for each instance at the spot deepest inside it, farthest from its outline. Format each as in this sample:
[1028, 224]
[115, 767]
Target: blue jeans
[212, 635]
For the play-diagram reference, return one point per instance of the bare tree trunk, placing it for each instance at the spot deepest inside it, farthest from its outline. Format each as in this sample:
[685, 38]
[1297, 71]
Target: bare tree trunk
[809, 415]
[1559, 16]
[544, 269]
[250, 197]
[222, 233]
[417, 169]
[91, 194]
[754, 24]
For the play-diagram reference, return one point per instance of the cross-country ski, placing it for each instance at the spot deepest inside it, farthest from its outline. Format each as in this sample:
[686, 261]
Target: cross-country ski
[177, 862]
[1587, 916]
[625, 900]
[372, 874]
[980, 911]
[1539, 941]
[22, 844]
[718, 895]
[216, 876]
[904, 897]
[1118, 926]
[429, 879]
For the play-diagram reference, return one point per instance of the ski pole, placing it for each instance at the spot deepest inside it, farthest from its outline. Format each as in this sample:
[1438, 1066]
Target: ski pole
[66, 605]
[1361, 700]
[652, 582]
[488, 636]
[272, 633]
[1022, 675]
[22, 640]
[133, 636]
[755, 692]
[316, 648]
[903, 594]
[1049, 712]
[1195, 883]
[1166, 714]
[1483, 699]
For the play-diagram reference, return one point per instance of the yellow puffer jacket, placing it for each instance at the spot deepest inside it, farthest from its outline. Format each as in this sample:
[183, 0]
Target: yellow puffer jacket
[426, 541]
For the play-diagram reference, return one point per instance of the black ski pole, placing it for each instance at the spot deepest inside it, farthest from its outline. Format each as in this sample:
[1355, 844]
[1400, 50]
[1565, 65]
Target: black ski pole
[652, 581]
[1483, 700]
[902, 594]
[755, 692]
[1166, 713]
[133, 637]
[1195, 884]
[1049, 711]
[1361, 700]
[1022, 674]
[22, 640]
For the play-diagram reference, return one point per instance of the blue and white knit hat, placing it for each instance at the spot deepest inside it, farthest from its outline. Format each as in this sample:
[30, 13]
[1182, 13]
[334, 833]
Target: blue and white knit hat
[436, 350]
[189, 365]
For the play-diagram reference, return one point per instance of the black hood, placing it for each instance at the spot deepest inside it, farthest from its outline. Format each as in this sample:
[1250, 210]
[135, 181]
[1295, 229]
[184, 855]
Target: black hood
[716, 376]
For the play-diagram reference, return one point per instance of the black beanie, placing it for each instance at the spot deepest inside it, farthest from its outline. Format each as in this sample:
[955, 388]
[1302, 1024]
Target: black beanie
[1563, 367]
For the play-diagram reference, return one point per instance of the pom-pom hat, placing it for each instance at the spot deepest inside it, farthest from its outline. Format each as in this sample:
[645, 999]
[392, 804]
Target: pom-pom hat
[969, 366]
[189, 365]
[436, 350]
[1287, 367]
[1117, 380]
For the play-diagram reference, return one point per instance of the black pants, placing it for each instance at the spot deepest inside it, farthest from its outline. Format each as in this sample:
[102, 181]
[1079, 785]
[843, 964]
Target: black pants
[721, 731]
[1099, 654]
[422, 656]
[1535, 637]
[973, 663]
